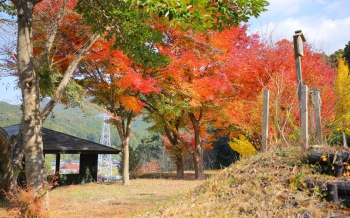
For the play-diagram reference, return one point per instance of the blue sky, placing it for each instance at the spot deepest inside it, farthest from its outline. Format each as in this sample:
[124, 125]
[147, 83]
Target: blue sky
[325, 24]
[9, 91]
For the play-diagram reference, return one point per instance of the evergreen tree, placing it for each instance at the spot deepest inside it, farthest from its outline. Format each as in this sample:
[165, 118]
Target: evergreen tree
[347, 53]
[224, 154]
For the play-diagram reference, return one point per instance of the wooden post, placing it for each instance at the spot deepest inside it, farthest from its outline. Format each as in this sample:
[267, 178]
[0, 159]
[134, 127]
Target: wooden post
[298, 39]
[304, 117]
[345, 143]
[317, 107]
[58, 160]
[265, 127]
[312, 116]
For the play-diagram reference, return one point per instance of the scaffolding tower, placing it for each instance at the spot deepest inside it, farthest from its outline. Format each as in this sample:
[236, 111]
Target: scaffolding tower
[105, 160]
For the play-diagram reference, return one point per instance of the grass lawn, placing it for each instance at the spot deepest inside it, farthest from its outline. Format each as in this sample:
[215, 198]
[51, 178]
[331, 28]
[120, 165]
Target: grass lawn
[114, 199]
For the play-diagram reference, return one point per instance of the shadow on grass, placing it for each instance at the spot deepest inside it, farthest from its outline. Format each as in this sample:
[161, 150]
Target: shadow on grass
[189, 175]
[4, 203]
[5, 206]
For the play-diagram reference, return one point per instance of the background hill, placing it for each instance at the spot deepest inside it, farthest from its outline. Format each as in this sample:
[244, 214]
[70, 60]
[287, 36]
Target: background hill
[88, 126]
[75, 122]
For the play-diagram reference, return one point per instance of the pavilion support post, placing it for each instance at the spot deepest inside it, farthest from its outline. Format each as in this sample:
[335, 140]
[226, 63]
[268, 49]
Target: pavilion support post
[58, 160]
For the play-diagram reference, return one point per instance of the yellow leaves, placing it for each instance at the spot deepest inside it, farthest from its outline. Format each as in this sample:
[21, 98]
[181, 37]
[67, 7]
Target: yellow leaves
[195, 103]
[347, 168]
[242, 146]
[342, 80]
[342, 89]
[324, 157]
[293, 182]
[345, 174]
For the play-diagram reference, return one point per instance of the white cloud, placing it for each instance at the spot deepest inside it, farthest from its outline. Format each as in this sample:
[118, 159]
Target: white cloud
[323, 2]
[325, 34]
[340, 8]
[285, 7]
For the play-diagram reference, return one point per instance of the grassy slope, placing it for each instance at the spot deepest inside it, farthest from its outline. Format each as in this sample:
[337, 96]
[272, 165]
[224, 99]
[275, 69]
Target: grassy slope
[265, 185]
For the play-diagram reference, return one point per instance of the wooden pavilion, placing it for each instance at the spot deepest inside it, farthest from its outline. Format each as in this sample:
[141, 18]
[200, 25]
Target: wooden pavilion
[60, 143]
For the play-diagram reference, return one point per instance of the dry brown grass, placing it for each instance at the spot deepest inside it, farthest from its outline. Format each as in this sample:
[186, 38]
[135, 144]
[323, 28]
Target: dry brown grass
[264, 185]
[112, 199]
[115, 199]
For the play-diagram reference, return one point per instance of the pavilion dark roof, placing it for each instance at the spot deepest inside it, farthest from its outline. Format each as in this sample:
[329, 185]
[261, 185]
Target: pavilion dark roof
[61, 143]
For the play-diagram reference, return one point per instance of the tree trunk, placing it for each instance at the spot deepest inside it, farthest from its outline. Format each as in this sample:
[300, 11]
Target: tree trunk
[11, 156]
[123, 127]
[6, 171]
[126, 177]
[179, 165]
[198, 166]
[17, 160]
[31, 121]
[176, 150]
[198, 153]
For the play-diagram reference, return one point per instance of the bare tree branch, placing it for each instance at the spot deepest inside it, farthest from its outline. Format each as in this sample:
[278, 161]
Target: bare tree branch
[67, 75]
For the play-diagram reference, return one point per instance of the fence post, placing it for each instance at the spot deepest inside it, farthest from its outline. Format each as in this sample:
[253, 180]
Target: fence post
[345, 144]
[265, 127]
[304, 116]
[317, 107]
